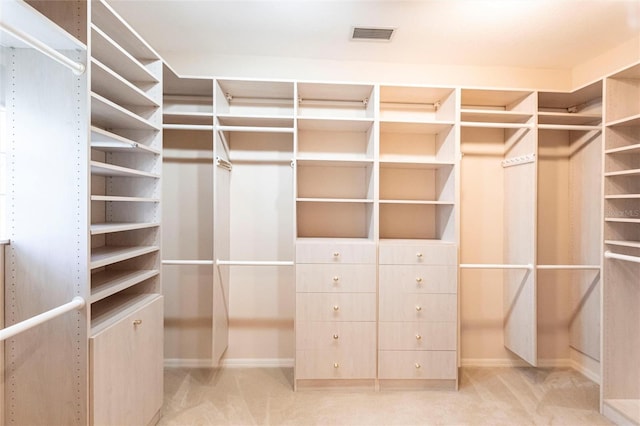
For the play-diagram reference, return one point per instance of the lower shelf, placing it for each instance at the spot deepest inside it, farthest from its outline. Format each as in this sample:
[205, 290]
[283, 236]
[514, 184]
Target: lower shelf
[622, 409]
[107, 283]
[107, 255]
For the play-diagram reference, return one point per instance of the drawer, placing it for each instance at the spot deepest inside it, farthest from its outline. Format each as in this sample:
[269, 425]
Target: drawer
[416, 336]
[419, 279]
[319, 278]
[351, 363]
[335, 252]
[434, 365]
[338, 335]
[418, 307]
[336, 306]
[419, 254]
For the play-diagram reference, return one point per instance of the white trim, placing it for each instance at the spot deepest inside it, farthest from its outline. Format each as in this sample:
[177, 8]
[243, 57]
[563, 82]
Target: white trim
[257, 362]
[188, 363]
[4, 242]
[584, 364]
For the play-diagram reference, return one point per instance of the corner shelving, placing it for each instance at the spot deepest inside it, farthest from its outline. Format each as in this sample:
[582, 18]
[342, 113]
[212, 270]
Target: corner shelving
[620, 389]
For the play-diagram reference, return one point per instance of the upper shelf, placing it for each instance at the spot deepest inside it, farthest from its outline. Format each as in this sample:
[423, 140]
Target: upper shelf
[631, 121]
[103, 140]
[494, 116]
[107, 114]
[108, 83]
[567, 118]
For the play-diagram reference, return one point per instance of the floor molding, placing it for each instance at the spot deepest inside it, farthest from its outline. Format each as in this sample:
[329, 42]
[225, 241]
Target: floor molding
[188, 363]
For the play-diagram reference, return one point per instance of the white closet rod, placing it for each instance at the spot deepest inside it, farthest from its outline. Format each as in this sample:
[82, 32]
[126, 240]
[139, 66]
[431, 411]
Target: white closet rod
[627, 258]
[77, 67]
[76, 303]
[187, 127]
[494, 266]
[344, 102]
[221, 162]
[578, 267]
[435, 105]
[255, 129]
[265, 101]
[187, 262]
[253, 263]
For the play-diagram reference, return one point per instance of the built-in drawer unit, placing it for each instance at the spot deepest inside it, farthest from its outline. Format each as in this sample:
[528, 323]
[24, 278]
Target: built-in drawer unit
[335, 252]
[432, 365]
[418, 278]
[417, 336]
[336, 306]
[349, 278]
[418, 254]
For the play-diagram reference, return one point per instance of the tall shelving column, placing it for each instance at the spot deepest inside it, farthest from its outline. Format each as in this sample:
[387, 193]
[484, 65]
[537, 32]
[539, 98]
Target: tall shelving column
[125, 344]
[418, 250]
[620, 390]
[336, 234]
[498, 220]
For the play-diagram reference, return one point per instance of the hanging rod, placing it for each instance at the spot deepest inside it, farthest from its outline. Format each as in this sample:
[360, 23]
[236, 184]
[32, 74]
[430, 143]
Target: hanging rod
[253, 263]
[494, 266]
[221, 162]
[187, 262]
[363, 103]
[627, 258]
[255, 129]
[77, 67]
[516, 161]
[76, 303]
[435, 105]
[230, 98]
[578, 267]
[187, 127]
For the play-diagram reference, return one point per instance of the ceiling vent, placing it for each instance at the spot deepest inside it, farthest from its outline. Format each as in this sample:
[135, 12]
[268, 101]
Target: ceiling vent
[372, 33]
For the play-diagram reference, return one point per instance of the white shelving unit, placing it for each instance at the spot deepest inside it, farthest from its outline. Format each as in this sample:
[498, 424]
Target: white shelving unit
[620, 389]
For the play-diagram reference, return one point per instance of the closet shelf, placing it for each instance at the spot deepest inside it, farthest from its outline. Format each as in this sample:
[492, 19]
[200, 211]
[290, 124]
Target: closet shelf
[107, 82]
[629, 408]
[105, 18]
[117, 307]
[567, 118]
[111, 170]
[413, 164]
[198, 127]
[623, 243]
[107, 51]
[494, 116]
[22, 16]
[255, 121]
[111, 227]
[108, 114]
[633, 172]
[255, 129]
[413, 127]
[332, 161]
[628, 149]
[205, 118]
[335, 124]
[576, 127]
[621, 220]
[496, 125]
[335, 200]
[103, 140]
[423, 202]
[108, 255]
[124, 199]
[631, 121]
[622, 196]
[109, 282]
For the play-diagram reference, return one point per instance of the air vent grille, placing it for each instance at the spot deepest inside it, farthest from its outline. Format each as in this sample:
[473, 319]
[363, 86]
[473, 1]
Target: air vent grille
[372, 33]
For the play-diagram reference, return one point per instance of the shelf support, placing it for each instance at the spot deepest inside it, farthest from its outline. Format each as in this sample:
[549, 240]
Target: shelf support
[77, 303]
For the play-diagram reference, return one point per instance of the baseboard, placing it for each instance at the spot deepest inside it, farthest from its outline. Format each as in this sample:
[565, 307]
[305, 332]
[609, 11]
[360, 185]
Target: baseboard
[257, 362]
[584, 364]
[492, 362]
[188, 363]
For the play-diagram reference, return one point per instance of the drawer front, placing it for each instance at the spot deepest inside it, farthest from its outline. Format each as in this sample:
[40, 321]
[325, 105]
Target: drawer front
[352, 363]
[417, 336]
[418, 307]
[336, 335]
[419, 254]
[433, 365]
[419, 279]
[319, 278]
[336, 306]
[335, 252]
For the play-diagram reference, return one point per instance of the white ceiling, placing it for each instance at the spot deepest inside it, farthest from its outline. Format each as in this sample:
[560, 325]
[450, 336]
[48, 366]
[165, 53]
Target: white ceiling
[557, 34]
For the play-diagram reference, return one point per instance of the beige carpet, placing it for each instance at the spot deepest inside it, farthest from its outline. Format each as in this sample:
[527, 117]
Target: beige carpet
[487, 396]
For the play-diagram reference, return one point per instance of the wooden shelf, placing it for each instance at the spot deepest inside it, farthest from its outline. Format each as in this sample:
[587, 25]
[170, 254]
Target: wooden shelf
[413, 164]
[622, 243]
[109, 311]
[108, 255]
[110, 227]
[335, 200]
[124, 199]
[332, 161]
[494, 116]
[202, 118]
[425, 202]
[627, 408]
[335, 124]
[629, 149]
[573, 127]
[107, 51]
[427, 128]
[111, 170]
[496, 125]
[634, 172]
[567, 118]
[103, 140]
[107, 114]
[255, 121]
[197, 127]
[109, 282]
[108, 83]
[631, 121]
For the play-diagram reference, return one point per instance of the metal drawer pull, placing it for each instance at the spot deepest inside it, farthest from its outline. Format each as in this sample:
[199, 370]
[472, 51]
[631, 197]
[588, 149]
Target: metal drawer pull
[418, 279]
[418, 337]
[335, 337]
[336, 279]
[137, 322]
[336, 307]
[417, 365]
[418, 308]
[336, 365]
[418, 254]
[336, 253]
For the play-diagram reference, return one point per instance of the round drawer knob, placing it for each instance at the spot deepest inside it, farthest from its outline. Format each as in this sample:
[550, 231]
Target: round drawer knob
[335, 337]
[336, 365]
[417, 365]
[418, 280]
[418, 308]
[336, 254]
[418, 255]
[336, 307]
[137, 322]
[336, 279]
[418, 337]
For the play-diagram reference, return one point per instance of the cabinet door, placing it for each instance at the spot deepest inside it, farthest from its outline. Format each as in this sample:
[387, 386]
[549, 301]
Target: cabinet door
[126, 369]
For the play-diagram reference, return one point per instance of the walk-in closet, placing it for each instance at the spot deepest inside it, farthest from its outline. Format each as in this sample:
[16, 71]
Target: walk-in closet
[232, 223]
